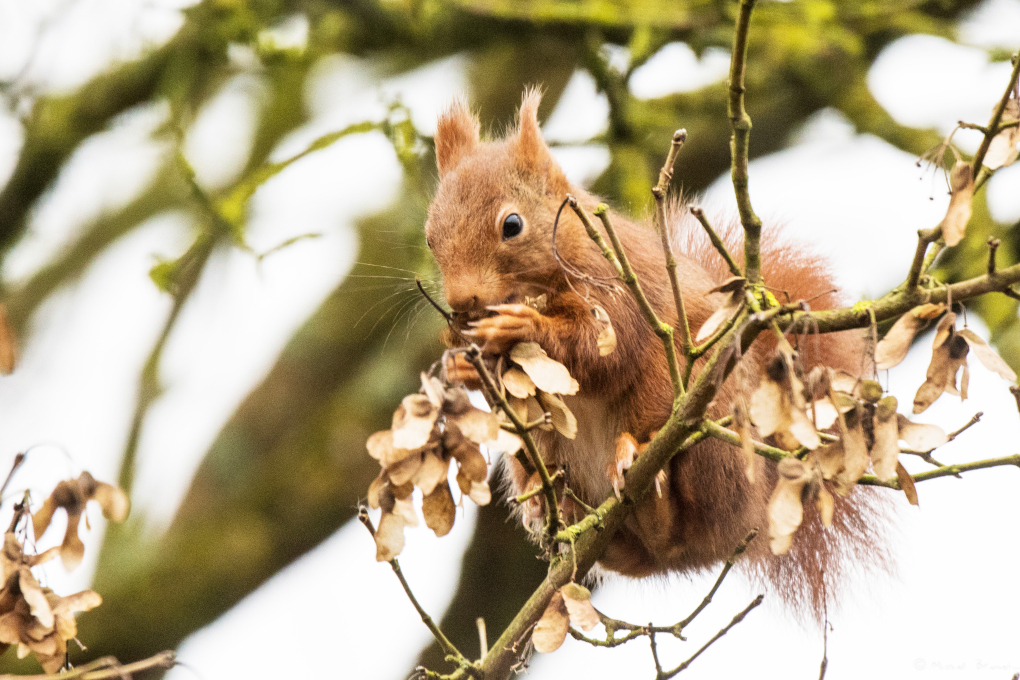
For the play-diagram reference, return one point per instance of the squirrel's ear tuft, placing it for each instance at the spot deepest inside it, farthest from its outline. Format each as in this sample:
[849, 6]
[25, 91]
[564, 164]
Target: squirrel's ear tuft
[532, 152]
[457, 135]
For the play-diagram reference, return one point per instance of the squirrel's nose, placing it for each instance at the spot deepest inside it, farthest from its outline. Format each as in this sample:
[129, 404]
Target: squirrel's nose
[462, 299]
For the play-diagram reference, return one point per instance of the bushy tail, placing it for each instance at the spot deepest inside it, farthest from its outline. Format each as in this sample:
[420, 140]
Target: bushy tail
[816, 568]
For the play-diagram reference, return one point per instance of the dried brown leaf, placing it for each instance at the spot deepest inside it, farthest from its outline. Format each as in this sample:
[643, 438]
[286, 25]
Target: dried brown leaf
[1002, 152]
[413, 422]
[562, 417]
[72, 550]
[841, 381]
[389, 537]
[580, 611]
[920, 436]
[826, 505]
[380, 446]
[892, 349]
[803, 430]
[506, 442]
[824, 413]
[986, 355]
[472, 462]
[404, 471]
[549, 375]
[720, 316]
[439, 510]
[477, 425]
[606, 339]
[855, 450]
[886, 450]
[551, 629]
[906, 483]
[113, 501]
[769, 408]
[743, 426]
[433, 470]
[456, 401]
[404, 509]
[785, 510]
[946, 360]
[433, 389]
[480, 493]
[39, 606]
[376, 489]
[954, 225]
[518, 383]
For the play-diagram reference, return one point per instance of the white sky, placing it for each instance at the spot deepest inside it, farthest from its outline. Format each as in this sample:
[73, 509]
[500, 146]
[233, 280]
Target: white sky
[949, 612]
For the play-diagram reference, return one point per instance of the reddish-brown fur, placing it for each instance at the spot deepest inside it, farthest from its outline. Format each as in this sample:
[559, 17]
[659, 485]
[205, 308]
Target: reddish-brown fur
[708, 504]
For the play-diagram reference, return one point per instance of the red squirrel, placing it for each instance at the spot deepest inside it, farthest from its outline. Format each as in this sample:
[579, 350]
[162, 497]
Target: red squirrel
[490, 228]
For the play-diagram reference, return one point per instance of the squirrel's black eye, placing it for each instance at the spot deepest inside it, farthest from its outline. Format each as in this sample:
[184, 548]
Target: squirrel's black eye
[512, 226]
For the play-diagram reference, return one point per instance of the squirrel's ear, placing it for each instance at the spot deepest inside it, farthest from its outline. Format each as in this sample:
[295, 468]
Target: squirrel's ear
[456, 136]
[531, 150]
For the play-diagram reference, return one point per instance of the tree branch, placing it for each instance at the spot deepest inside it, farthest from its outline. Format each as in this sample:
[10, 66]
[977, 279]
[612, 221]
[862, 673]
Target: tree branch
[741, 123]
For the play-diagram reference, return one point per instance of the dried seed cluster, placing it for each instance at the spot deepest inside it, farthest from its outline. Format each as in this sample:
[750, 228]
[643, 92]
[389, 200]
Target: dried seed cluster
[33, 617]
[949, 354]
[430, 429]
[571, 604]
[792, 408]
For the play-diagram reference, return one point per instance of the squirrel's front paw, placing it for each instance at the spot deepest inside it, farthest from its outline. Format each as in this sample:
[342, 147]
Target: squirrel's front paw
[461, 371]
[511, 324]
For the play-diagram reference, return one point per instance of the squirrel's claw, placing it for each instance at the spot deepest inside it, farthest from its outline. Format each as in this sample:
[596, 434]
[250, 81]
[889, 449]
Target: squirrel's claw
[511, 324]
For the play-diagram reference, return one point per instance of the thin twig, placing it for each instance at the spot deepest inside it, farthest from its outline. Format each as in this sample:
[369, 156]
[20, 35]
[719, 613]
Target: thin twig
[741, 547]
[825, 638]
[929, 259]
[483, 638]
[945, 471]
[444, 642]
[438, 307]
[105, 668]
[19, 459]
[716, 241]
[676, 630]
[528, 495]
[659, 192]
[924, 238]
[741, 123]
[993, 123]
[663, 330]
[993, 245]
[552, 522]
[736, 619]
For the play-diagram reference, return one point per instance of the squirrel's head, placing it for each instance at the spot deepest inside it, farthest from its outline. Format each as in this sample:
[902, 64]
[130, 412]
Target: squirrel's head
[490, 224]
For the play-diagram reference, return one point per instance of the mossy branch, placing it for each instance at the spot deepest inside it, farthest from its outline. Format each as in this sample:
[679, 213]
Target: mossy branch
[739, 142]
[945, 471]
[592, 535]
